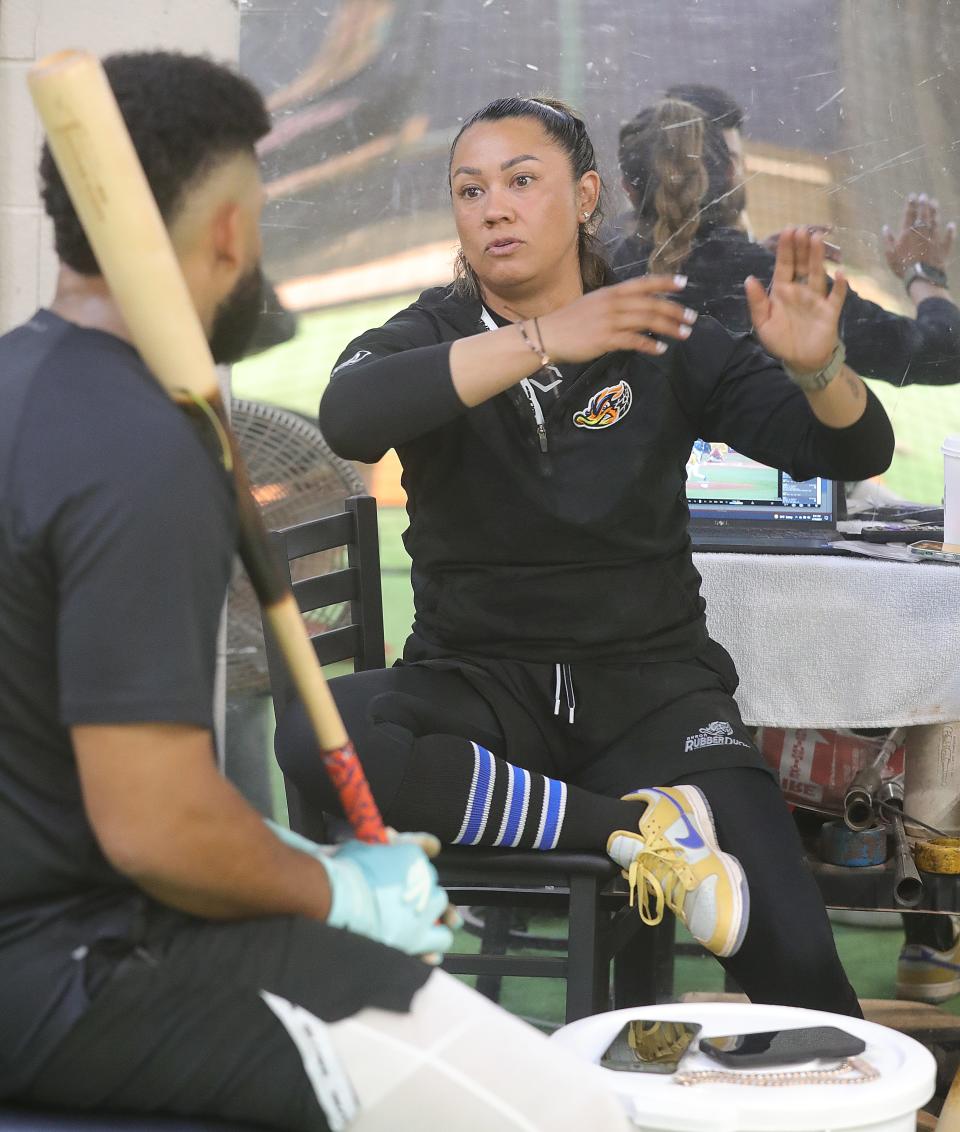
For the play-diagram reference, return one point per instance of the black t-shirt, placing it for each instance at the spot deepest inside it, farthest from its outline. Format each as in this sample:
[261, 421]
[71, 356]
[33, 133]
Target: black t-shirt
[117, 532]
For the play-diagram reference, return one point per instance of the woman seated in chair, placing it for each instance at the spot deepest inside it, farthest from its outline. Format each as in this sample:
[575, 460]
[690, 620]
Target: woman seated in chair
[559, 688]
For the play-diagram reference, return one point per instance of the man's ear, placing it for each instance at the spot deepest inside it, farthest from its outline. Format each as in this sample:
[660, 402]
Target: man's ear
[228, 236]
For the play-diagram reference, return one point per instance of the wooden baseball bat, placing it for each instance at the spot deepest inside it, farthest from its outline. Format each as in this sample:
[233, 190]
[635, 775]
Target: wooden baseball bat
[106, 182]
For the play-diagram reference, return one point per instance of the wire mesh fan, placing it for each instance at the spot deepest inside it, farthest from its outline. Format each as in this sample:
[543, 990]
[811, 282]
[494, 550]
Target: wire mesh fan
[295, 477]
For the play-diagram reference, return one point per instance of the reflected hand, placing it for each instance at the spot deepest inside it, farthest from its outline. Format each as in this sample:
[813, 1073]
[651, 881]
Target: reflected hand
[797, 319]
[832, 252]
[921, 238]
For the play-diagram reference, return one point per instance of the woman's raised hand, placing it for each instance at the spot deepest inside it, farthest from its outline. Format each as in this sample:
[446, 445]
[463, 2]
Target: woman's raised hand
[797, 320]
[623, 316]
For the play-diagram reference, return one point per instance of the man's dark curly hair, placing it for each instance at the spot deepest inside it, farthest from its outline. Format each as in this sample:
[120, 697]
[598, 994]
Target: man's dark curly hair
[185, 115]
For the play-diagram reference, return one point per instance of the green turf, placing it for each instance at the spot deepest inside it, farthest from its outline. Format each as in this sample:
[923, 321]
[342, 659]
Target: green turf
[922, 416]
[295, 374]
[395, 580]
[869, 956]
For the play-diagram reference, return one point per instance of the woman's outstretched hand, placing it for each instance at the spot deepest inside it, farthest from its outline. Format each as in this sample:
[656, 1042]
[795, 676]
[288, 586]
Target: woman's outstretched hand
[797, 319]
[623, 316]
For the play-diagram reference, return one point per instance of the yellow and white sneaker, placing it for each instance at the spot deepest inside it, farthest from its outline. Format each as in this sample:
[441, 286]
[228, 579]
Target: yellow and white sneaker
[927, 975]
[674, 860]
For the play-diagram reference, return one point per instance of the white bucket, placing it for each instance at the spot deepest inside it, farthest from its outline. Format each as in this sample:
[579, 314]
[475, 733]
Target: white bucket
[931, 778]
[888, 1104]
[951, 493]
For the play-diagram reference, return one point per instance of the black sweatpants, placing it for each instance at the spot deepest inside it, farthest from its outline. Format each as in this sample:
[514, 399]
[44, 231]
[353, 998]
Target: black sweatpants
[212, 1019]
[629, 729]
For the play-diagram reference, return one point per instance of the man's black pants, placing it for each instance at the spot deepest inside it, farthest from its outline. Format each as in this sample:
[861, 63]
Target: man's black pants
[181, 1025]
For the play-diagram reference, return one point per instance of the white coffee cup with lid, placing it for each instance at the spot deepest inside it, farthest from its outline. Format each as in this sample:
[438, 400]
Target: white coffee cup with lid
[951, 493]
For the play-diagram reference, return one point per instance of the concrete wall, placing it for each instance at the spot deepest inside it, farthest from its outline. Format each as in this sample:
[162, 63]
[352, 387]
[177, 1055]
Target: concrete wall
[31, 29]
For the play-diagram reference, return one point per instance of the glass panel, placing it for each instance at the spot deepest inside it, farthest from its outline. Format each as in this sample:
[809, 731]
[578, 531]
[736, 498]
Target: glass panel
[850, 106]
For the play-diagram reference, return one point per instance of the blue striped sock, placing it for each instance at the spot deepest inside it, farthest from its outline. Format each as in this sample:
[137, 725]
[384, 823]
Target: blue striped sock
[460, 791]
[527, 811]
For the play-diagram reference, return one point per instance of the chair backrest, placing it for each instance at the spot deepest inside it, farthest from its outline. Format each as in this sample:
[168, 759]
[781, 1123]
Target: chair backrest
[361, 639]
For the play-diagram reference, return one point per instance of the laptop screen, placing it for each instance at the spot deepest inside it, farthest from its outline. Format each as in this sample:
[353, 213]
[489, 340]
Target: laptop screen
[724, 484]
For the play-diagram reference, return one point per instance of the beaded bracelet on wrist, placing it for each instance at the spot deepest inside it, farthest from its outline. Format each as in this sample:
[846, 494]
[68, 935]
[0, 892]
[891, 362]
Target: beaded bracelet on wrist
[538, 350]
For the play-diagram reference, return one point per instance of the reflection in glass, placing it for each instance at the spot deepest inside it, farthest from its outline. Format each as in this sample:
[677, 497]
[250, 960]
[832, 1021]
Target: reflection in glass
[849, 108]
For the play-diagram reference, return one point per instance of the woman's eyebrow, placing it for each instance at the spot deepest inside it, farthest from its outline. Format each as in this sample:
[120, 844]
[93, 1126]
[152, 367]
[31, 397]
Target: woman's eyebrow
[471, 171]
[516, 160]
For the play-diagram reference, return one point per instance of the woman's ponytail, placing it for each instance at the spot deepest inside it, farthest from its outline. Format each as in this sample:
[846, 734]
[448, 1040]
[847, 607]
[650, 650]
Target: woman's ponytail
[681, 182]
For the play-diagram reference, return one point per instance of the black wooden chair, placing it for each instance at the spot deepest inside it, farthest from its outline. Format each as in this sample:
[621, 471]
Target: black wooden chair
[584, 886]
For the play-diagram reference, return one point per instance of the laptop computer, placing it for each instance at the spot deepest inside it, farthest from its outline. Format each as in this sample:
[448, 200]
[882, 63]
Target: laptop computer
[739, 505]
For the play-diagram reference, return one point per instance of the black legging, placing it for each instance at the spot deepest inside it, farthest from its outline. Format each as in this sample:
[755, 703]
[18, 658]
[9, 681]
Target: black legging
[788, 956]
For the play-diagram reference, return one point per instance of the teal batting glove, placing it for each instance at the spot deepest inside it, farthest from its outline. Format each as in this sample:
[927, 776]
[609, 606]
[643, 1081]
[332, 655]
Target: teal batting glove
[389, 893]
[386, 892]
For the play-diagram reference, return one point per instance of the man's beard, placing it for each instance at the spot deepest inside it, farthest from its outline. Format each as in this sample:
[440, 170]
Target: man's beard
[236, 318]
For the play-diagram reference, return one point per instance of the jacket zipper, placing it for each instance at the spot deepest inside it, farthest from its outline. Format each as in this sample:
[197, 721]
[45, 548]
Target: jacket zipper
[539, 422]
[540, 428]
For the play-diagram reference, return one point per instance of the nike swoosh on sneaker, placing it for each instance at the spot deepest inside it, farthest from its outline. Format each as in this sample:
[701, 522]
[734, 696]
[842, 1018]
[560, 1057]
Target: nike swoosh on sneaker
[930, 956]
[693, 840]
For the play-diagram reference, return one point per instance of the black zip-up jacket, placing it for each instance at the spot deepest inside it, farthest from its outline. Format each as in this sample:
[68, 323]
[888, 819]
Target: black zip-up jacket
[890, 347]
[579, 552]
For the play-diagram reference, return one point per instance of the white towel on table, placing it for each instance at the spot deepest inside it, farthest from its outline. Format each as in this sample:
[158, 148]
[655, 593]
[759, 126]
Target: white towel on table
[830, 641]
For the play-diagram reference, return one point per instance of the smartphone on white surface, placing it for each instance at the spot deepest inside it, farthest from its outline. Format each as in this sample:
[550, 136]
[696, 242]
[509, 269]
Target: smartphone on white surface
[782, 1047]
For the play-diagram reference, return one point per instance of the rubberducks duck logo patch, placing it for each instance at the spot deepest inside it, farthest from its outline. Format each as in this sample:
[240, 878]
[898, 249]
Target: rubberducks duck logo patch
[716, 734]
[606, 407]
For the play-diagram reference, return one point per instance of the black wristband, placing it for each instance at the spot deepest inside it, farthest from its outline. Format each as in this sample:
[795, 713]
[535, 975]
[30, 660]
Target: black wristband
[925, 271]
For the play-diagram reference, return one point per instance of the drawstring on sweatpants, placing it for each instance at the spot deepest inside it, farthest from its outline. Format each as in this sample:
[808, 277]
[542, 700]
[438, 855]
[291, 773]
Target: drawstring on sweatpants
[563, 682]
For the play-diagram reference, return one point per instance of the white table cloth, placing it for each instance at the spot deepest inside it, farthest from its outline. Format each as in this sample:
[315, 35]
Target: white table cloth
[837, 641]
